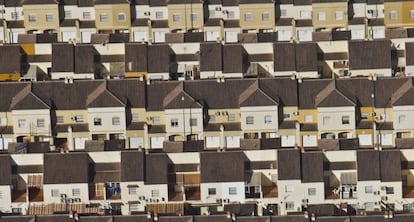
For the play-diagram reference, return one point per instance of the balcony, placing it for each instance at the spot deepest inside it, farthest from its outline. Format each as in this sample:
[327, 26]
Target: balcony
[270, 191]
[339, 144]
[332, 193]
[35, 194]
[104, 145]
[183, 146]
[19, 196]
[260, 144]
[408, 192]
[97, 191]
[192, 193]
[404, 143]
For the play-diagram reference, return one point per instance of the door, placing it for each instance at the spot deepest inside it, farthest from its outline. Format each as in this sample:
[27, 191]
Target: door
[80, 143]
[212, 36]
[86, 36]
[68, 35]
[136, 142]
[159, 36]
[288, 141]
[309, 141]
[233, 141]
[212, 141]
[365, 139]
[157, 142]
[140, 36]
[231, 36]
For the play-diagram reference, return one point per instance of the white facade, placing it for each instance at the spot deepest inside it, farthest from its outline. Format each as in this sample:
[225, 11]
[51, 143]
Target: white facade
[233, 191]
[52, 192]
[259, 118]
[31, 122]
[336, 119]
[107, 120]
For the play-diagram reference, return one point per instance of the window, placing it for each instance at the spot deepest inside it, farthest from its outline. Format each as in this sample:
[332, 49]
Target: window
[286, 115]
[156, 120]
[15, 16]
[116, 121]
[364, 115]
[290, 205]
[133, 207]
[194, 17]
[211, 118]
[174, 122]
[40, 123]
[155, 193]
[159, 15]
[68, 14]
[32, 18]
[211, 13]
[176, 17]
[304, 14]
[283, 12]
[49, 18]
[311, 191]
[412, 14]
[401, 119]
[86, 15]
[76, 192]
[389, 190]
[16, 210]
[268, 119]
[345, 120]
[374, 13]
[265, 16]
[135, 117]
[248, 17]
[308, 118]
[339, 15]
[1, 194]
[393, 15]
[97, 121]
[3, 121]
[59, 119]
[54, 192]
[193, 122]
[230, 14]
[132, 190]
[232, 190]
[78, 118]
[121, 17]
[21, 123]
[321, 16]
[231, 117]
[103, 17]
[211, 191]
[249, 120]
[289, 188]
[368, 189]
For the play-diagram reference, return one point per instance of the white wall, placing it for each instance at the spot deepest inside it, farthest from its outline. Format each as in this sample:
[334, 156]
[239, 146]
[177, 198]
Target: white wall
[5, 199]
[106, 114]
[261, 155]
[259, 113]
[336, 114]
[222, 192]
[180, 115]
[105, 157]
[65, 189]
[408, 112]
[185, 158]
[31, 117]
[143, 191]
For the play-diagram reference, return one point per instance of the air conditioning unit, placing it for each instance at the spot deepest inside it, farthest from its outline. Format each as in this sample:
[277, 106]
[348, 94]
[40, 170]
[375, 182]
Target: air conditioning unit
[218, 8]
[219, 201]
[217, 113]
[384, 198]
[370, 11]
[78, 200]
[63, 195]
[295, 113]
[147, 13]
[225, 12]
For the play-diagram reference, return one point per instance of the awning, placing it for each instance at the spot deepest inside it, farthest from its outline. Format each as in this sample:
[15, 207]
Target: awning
[349, 178]
[35, 181]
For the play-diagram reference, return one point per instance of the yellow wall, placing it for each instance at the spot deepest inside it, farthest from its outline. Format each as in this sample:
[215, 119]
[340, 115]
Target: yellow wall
[112, 11]
[393, 6]
[330, 10]
[135, 74]
[369, 111]
[29, 49]
[185, 9]
[257, 10]
[160, 114]
[40, 12]
[407, 7]
[9, 76]
[224, 118]
[305, 112]
[68, 114]
[387, 111]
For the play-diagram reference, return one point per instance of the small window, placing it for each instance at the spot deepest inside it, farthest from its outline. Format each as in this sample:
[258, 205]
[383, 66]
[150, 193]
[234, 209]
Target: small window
[132, 190]
[78, 118]
[211, 118]
[368, 189]
[230, 14]
[345, 120]
[412, 14]
[68, 14]
[312, 191]
[401, 119]
[86, 15]
[32, 18]
[364, 115]
[231, 117]
[321, 16]
[283, 12]
[249, 120]
[121, 17]
[326, 120]
[248, 17]
[54, 192]
[116, 121]
[133, 207]
[393, 15]
[1, 194]
[15, 16]
[290, 205]
[193, 122]
[159, 15]
[97, 121]
[103, 17]
[21, 123]
[176, 17]
[265, 16]
[232, 190]
[49, 18]
[194, 17]
[174, 122]
[374, 13]
[59, 119]
[211, 191]
[304, 14]
[155, 193]
[339, 15]
[3, 121]
[135, 117]
[16, 210]
[40, 123]
[76, 192]
[268, 119]
[211, 13]
[156, 120]
[289, 188]
[389, 190]
[308, 118]
[286, 115]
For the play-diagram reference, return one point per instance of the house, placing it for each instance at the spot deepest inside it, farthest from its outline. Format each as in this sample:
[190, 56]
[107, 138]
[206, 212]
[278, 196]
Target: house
[185, 15]
[329, 15]
[112, 16]
[257, 15]
[42, 17]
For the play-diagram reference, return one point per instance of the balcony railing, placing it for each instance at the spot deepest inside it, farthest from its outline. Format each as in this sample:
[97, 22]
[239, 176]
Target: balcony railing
[183, 146]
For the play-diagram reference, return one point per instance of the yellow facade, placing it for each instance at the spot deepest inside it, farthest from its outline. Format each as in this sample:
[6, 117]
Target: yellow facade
[41, 17]
[408, 13]
[223, 116]
[135, 74]
[68, 116]
[369, 112]
[112, 17]
[330, 15]
[152, 115]
[305, 113]
[185, 16]
[29, 49]
[393, 14]
[257, 16]
[9, 76]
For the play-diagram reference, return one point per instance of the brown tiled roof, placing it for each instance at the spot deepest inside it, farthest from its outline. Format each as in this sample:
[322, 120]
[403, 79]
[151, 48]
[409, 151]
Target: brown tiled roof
[15, 24]
[132, 166]
[246, 209]
[255, 1]
[86, 24]
[357, 21]
[303, 23]
[106, 172]
[26, 99]
[13, 3]
[359, 51]
[158, 2]
[222, 167]
[68, 23]
[184, 1]
[290, 218]
[227, 127]
[331, 96]
[104, 2]
[156, 92]
[212, 218]
[159, 24]
[284, 57]
[289, 164]
[234, 59]
[212, 22]
[376, 22]
[63, 59]
[156, 168]
[5, 170]
[159, 58]
[364, 125]
[306, 57]
[140, 22]
[368, 165]
[10, 59]
[287, 125]
[102, 97]
[404, 94]
[230, 2]
[308, 90]
[231, 23]
[312, 167]
[284, 22]
[211, 56]
[254, 96]
[282, 90]
[309, 127]
[179, 99]
[40, 2]
[390, 162]
[136, 57]
[302, 2]
[59, 168]
[156, 129]
[136, 126]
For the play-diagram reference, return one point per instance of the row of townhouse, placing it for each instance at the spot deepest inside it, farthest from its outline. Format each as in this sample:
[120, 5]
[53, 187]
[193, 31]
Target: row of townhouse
[151, 20]
[208, 114]
[248, 183]
[37, 60]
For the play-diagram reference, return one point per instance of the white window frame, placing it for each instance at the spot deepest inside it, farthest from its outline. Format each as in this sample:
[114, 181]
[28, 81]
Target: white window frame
[326, 120]
[54, 192]
[193, 122]
[308, 118]
[411, 15]
[32, 18]
[68, 14]
[321, 16]
[121, 17]
[40, 123]
[103, 17]
[60, 119]
[393, 15]
[289, 188]
[76, 192]
[155, 193]
[346, 120]
[132, 190]
[176, 17]
[248, 17]
[97, 121]
[86, 15]
[232, 190]
[231, 15]
[21, 123]
[249, 120]
[283, 12]
[116, 121]
[369, 189]
[14, 15]
[268, 119]
[231, 117]
[339, 15]
[174, 122]
[194, 17]
[265, 16]
[49, 17]
[402, 119]
[311, 191]
[212, 191]
[159, 15]
[135, 117]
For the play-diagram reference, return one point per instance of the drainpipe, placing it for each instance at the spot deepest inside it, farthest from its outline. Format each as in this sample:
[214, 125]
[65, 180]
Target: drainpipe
[298, 140]
[70, 138]
[222, 137]
[146, 138]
